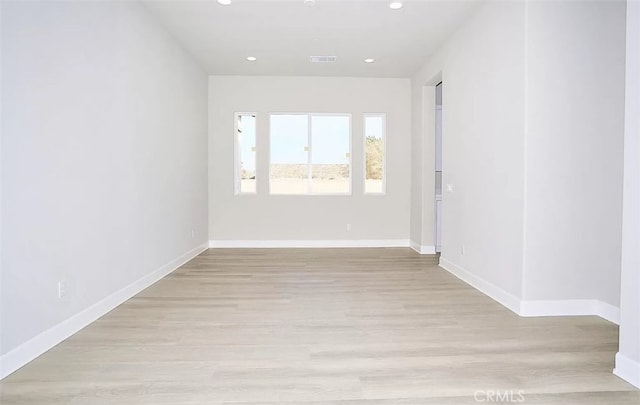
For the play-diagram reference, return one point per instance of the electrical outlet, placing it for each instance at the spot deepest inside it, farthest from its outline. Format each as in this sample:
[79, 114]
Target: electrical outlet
[462, 250]
[62, 290]
[193, 234]
[348, 227]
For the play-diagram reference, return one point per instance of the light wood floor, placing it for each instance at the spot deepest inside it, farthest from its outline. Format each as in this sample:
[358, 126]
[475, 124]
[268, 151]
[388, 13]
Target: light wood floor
[342, 326]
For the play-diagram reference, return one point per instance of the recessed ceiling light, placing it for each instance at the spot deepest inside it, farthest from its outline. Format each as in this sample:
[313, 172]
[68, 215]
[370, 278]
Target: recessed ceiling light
[252, 58]
[224, 2]
[395, 5]
[369, 60]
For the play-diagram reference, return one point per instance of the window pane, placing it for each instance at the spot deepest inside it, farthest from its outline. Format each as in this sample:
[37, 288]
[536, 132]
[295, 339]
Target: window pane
[246, 153]
[330, 154]
[374, 127]
[288, 168]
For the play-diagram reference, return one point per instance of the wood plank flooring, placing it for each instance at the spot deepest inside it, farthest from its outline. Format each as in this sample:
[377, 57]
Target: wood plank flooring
[322, 326]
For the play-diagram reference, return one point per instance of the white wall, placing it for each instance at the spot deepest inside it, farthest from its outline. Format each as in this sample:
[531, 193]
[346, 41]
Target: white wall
[574, 149]
[533, 113]
[264, 217]
[628, 357]
[1, 187]
[482, 69]
[104, 162]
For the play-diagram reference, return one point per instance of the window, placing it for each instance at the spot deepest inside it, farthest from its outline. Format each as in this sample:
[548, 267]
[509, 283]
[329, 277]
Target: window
[374, 147]
[330, 154]
[245, 162]
[310, 154]
[288, 166]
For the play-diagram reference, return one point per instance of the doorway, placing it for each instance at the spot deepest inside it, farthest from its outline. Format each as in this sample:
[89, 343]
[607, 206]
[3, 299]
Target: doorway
[438, 169]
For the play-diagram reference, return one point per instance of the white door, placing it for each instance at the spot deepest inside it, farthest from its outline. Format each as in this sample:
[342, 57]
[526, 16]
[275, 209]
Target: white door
[438, 174]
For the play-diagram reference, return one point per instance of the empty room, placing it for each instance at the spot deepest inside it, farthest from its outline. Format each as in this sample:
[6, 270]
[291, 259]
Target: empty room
[320, 202]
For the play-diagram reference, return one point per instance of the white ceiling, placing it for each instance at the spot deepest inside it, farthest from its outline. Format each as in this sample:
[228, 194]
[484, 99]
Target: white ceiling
[283, 34]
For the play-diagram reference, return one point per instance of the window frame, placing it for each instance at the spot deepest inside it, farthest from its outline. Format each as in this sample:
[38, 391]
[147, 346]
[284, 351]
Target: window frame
[384, 154]
[310, 153]
[237, 156]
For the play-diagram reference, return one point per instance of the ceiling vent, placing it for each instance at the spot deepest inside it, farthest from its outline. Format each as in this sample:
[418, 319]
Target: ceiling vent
[322, 59]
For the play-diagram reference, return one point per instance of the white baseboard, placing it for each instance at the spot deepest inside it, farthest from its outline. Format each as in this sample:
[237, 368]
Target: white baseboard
[608, 312]
[570, 308]
[485, 287]
[414, 245]
[538, 307]
[267, 244]
[39, 344]
[422, 249]
[627, 369]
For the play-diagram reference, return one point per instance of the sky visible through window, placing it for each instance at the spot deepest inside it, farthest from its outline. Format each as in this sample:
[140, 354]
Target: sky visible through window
[330, 139]
[247, 141]
[373, 126]
[289, 133]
